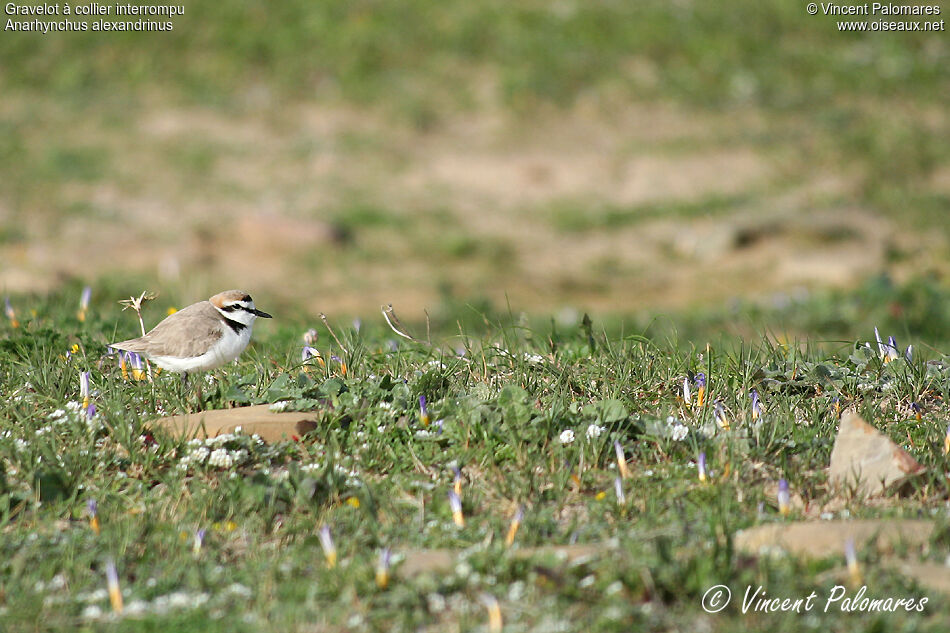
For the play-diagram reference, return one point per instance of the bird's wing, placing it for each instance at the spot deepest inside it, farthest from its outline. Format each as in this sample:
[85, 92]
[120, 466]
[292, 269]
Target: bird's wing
[136, 345]
[188, 332]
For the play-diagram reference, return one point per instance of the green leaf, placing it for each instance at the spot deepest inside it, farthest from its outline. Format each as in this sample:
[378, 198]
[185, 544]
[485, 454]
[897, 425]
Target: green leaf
[513, 395]
[606, 411]
[52, 485]
[332, 387]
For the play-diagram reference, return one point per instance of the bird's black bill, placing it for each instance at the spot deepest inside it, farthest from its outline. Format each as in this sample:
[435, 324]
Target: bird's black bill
[260, 313]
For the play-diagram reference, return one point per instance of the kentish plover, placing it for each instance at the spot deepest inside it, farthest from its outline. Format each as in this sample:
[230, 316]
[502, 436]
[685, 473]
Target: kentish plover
[200, 337]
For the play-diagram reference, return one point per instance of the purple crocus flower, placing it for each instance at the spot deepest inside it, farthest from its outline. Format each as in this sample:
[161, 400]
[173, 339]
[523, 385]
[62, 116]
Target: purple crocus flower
[892, 352]
[719, 412]
[618, 491]
[784, 497]
[455, 503]
[382, 568]
[756, 406]
[423, 411]
[329, 548]
[84, 387]
[700, 381]
[199, 540]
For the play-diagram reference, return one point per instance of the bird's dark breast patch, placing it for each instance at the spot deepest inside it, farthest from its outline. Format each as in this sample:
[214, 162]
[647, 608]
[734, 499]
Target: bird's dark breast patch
[237, 326]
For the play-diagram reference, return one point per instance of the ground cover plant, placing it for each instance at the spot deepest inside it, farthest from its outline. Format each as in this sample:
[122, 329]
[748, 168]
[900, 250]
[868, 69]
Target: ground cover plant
[583, 479]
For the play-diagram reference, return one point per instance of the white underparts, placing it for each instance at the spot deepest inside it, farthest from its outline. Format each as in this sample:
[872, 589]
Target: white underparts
[225, 349]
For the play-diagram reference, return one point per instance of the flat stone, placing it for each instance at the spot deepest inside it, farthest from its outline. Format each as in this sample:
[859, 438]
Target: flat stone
[868, 460]
[931, 575]
[443, 560]
[271, 426]
[820, 539]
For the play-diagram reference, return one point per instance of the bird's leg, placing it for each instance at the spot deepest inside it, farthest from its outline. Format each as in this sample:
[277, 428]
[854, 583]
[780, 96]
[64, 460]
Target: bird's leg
[183, 390]
[201, 397]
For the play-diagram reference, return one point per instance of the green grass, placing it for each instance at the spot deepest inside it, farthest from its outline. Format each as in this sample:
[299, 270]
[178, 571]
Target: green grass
[871, 104]
[869, 110]
[503, 394]
[577, 217]
[709, 54]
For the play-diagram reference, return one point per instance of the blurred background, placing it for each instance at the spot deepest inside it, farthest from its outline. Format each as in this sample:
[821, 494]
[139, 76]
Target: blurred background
[559, 157]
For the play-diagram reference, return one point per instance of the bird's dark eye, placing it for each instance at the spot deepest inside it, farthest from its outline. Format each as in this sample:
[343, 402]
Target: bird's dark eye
[233, 307]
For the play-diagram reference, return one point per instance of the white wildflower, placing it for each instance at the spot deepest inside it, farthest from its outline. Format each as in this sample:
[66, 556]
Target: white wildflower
[567, 436]
[197, 456]
[135, 607]
[237, 589]
[219, 440]
[679, 433]
[435, 602]
[220, 458]
[92, 612]
[594, 431]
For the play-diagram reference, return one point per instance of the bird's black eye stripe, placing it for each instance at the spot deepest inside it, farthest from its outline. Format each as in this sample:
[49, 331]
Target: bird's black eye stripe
[233, 307]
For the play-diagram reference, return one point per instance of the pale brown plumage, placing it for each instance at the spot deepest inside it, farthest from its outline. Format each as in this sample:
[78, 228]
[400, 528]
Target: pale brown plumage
[203, 324]
[202, 336]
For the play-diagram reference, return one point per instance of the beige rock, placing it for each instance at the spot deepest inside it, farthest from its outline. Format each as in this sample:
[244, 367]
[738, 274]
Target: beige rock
[827, 538]
[865, 458]
[443, 560]
[269, 425]
[931, 575]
